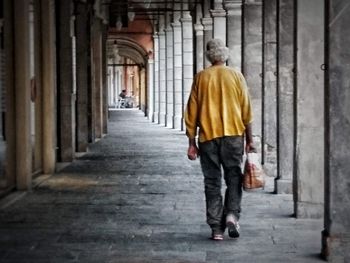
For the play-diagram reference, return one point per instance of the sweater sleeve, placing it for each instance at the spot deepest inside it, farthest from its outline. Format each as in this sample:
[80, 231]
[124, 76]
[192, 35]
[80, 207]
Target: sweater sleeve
[191, 113]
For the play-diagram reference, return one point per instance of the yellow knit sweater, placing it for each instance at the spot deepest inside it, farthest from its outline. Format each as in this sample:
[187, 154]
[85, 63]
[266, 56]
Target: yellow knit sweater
[219, 104]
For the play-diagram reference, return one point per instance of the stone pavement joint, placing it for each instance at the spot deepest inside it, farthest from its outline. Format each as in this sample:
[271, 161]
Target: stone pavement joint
[134, 197]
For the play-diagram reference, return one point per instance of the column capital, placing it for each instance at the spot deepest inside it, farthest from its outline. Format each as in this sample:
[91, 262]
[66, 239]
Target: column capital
[199, 29]
[185, 20]
[186, 15]
[233, 7]
[176, 24]
[232, 2]
[207, 23]
[168, 29]
[218, 4]
[218, 12]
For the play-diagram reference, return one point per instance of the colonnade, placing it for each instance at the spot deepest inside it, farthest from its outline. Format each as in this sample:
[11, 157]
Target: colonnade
[55, 86]
[281, 48]
[290, 51]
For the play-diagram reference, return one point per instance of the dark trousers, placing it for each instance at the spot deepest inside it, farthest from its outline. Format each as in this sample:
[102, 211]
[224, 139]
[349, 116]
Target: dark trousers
[226, 153]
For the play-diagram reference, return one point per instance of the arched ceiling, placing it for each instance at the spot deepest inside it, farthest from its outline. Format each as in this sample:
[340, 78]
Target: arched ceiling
[145, 9]
[129, 49]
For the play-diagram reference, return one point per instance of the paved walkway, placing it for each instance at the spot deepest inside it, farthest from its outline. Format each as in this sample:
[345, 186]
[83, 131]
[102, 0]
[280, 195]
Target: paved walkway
[135, 198]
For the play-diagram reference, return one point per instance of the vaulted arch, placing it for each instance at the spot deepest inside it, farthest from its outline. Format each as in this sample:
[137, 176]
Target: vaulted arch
[130, 49]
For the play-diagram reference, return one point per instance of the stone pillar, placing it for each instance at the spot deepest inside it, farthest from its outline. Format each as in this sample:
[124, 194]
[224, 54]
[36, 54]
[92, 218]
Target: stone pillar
[22, 95]
[65, 82]
[48, 84]
[142, 84]
[207, 23]
[104, 99]
[198, 28]
[199, 47]
[162, 73]
[187, 60]
[156, 79]
[177, 33]
[269, 98]
[285, 85]
[169, 76]
[252, 58]
[336, 235]
[37, 98]
[219, 21]
[82, 49]
[150, 89]
[10, 117]
[97, 76]
[309, 159]
[234, 32]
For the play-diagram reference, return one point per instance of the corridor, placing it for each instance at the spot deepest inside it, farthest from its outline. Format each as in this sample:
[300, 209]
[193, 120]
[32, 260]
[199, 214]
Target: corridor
[135, 198]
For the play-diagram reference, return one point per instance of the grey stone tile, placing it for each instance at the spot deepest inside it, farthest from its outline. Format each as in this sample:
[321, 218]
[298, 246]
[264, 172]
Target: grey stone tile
[134, 197]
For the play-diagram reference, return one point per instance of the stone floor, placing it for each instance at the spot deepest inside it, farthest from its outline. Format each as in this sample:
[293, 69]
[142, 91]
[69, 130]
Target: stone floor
[135, 198]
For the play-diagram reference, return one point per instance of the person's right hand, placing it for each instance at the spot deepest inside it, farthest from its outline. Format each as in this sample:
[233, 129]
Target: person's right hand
[249, 148]
[192, 152]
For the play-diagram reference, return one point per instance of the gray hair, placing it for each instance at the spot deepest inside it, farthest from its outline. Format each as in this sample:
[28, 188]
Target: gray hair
[216, 51]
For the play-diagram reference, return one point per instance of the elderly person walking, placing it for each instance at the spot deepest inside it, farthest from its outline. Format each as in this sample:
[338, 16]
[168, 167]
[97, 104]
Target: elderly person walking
[219, 105]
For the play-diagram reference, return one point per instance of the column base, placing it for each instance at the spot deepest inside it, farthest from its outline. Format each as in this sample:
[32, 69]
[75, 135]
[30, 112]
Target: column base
[169, 121]
[162, 119]
[335, 248]
[177, 122]
[150, 116]
[156, 117]
[309, 210]
[283, 186]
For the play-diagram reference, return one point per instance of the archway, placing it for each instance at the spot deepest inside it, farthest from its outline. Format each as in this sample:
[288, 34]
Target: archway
[127, 63]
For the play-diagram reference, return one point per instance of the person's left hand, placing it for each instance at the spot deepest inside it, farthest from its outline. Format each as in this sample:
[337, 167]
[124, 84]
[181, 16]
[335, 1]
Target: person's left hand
[192, 152]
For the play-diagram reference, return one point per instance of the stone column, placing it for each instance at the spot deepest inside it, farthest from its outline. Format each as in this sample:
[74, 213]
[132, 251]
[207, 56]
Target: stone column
[110, 92]
[10, 117]
[150, 88]
[142, 84]
[285, 85]
[65, 82]
[22, 95]
[269, 99]
[82, 49]
[309, 159]
[234, 32]
[252, 58]
[162, 74]
[219, 21]
[162, 71]
[104, 100]
[207, 23]
[177, 33]
[97, 76]
[336, 235]
[156, 79]
[198, 28]
[187, 59]
[48, 78]
[37, 98]
[169, 76]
